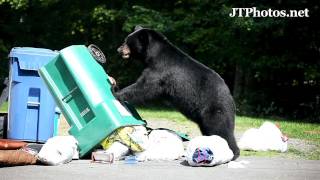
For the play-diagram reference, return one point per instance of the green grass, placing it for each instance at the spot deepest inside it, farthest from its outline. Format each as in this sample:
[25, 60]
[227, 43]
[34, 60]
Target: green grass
[309, 132]
[260, 154]
[4, 107]
[294, 129]
[161, 113]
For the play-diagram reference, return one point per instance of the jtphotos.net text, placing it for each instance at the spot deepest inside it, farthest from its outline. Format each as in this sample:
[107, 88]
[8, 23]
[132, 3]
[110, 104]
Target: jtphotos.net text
[254, 12]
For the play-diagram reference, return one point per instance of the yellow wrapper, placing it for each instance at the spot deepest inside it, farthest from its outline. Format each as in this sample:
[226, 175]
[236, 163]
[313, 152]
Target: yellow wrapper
[122, 135]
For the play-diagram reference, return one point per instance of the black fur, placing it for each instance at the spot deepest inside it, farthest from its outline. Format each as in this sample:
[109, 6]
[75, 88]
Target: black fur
[195, 90]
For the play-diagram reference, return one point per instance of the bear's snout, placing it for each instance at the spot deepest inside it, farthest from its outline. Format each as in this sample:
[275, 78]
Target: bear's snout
[124, 51]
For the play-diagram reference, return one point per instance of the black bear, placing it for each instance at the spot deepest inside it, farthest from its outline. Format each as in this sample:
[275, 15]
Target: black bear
[194, 89]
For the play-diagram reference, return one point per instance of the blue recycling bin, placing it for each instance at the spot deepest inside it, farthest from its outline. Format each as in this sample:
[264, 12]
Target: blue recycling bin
[32, 109]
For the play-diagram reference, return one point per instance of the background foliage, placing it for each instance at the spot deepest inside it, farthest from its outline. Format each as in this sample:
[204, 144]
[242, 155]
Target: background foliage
[272, 65]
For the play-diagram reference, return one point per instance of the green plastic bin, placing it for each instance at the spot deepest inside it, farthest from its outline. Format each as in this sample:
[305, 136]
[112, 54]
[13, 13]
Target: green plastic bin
[82, 91]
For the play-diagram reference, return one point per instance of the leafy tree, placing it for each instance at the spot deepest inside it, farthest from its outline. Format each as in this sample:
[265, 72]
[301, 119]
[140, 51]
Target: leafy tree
[270, 64]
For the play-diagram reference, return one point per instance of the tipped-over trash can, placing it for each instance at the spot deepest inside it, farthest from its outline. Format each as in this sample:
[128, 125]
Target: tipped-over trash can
[31, 106]
[82, 91]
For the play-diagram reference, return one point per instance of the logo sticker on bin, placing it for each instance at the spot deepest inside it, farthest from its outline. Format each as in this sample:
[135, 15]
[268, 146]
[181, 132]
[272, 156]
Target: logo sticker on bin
[84, 112]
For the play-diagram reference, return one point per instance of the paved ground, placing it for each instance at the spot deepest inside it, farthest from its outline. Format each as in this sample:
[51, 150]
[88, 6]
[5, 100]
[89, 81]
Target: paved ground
[258, 168]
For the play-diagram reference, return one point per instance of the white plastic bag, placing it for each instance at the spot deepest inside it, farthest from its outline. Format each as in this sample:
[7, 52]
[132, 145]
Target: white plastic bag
[59, 150]
[140, 136]
[134, 138]
[118, 150]
[208, 151]
[267, 137]
[162, 145]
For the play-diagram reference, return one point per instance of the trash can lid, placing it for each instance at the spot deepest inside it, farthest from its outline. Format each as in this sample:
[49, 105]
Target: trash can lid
[32, 58]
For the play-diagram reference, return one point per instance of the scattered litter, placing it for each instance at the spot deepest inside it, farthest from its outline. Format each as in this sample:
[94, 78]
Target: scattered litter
[102, 156]
[159, 145]
[162, 145]
[238, 164]
[59, 150]
[208, 151]
[29, 150]
[125, 140]
[131, 159]
[267, 137]
[118, 150]
[34, 147]
[134, 137]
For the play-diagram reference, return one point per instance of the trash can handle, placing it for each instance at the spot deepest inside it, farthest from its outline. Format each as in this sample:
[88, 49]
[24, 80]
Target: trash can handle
[31, 103]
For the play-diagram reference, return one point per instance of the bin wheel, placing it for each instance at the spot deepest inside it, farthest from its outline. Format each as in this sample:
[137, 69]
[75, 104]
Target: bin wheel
[97, 53]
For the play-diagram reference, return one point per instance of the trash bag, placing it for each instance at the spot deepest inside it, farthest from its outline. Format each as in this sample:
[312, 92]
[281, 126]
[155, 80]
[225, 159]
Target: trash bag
[267, 137]
[208, 151]
[59, 150]
[162, 145]
[134, 137]
[118, 150]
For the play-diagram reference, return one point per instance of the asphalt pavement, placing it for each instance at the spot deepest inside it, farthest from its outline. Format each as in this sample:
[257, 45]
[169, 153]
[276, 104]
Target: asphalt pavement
[257, 169]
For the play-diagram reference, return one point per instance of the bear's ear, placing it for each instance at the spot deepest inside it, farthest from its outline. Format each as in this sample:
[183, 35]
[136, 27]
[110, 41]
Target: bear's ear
[138, 27]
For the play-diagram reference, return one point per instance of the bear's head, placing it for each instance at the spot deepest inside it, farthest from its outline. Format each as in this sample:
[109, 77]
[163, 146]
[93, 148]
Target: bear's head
[140, 43]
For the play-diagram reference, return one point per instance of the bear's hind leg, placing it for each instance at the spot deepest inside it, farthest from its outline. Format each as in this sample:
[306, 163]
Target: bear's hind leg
[219, 125]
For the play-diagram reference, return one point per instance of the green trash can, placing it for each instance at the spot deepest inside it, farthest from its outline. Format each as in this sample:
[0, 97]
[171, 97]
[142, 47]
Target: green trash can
[82, 91]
